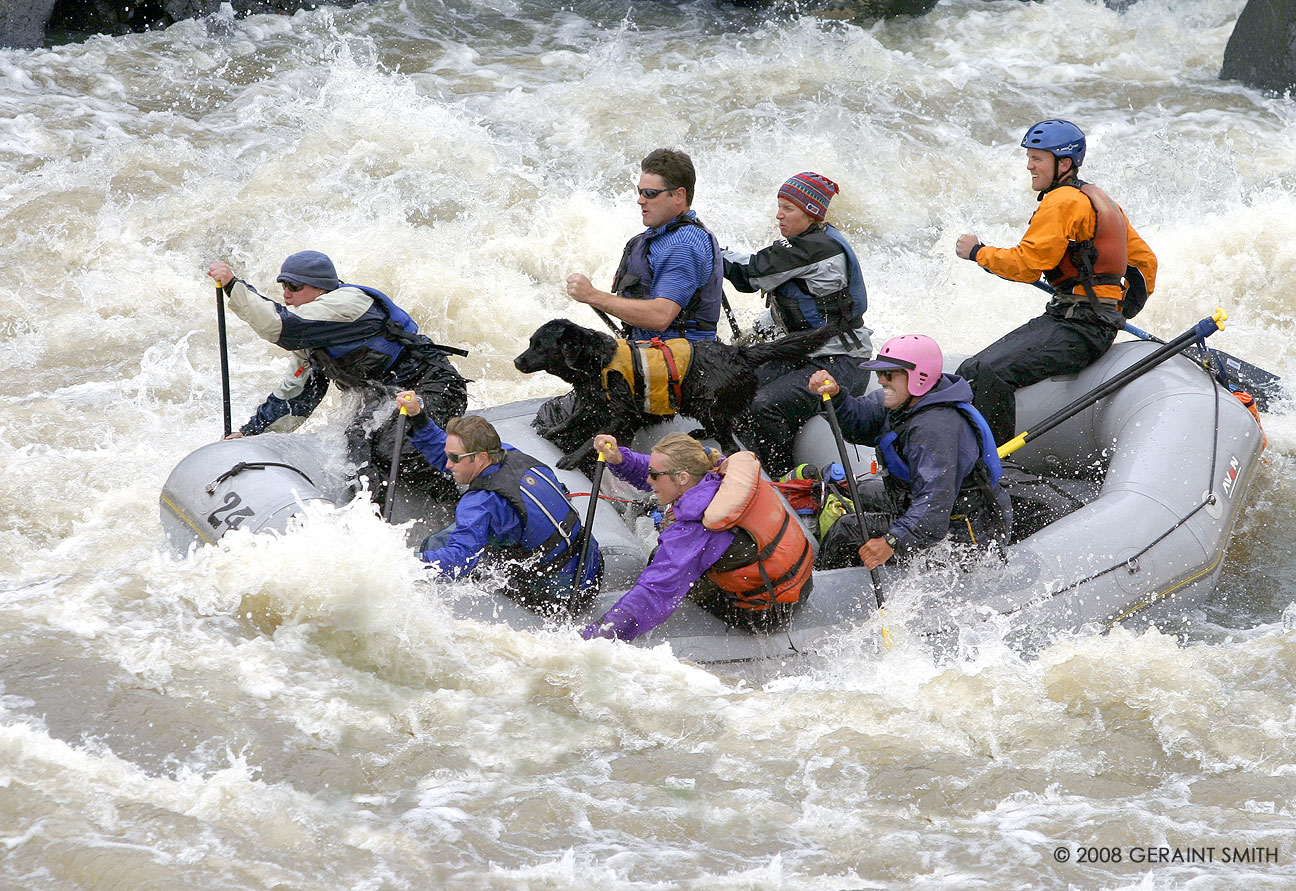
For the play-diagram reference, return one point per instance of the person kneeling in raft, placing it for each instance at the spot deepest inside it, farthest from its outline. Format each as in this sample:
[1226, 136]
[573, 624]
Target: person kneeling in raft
[719, 521]
[353, 336]
[515, 514]
[940, 470]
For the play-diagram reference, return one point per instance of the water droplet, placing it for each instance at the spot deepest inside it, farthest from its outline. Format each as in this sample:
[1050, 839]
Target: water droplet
[1289, 616]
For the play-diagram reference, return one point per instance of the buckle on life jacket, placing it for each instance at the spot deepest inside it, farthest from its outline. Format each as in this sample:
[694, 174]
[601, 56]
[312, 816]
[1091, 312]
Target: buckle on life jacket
[1071, 301]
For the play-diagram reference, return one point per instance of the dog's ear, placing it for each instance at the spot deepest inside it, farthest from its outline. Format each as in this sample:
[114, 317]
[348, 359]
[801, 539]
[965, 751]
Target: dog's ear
[573, 352]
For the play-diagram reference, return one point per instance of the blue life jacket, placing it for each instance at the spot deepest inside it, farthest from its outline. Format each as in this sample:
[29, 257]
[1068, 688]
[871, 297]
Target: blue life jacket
[858, 293]
[381, 342]
[798, 310]
[634, 278]
[550, 525]
[897, 467]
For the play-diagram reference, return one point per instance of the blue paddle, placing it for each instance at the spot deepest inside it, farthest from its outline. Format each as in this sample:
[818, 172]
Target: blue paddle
[1262, 385]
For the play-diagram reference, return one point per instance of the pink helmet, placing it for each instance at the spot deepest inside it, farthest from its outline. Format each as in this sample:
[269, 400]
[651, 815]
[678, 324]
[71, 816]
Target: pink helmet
[917, 354]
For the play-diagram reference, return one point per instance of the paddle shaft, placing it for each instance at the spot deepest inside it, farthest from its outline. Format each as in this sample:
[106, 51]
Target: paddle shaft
[1232, 372]
[616, 330]
[1141, 334]
[854, 489]
[729, 314]
[1204, 328]
[587, 531]
[390, 500]
[224, 358]
[1260, 383]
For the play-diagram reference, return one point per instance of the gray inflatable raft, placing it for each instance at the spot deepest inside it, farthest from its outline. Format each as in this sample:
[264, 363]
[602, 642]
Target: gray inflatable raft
[1157, 472]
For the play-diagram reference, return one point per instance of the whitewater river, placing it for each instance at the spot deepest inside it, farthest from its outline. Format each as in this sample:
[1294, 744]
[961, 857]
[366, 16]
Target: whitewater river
[298, 713]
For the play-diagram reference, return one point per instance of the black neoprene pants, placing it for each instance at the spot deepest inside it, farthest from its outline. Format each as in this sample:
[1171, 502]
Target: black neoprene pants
[1045, 346]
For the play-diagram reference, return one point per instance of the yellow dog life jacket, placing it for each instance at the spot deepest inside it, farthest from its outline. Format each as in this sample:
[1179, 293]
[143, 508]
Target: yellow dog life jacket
[654, 369]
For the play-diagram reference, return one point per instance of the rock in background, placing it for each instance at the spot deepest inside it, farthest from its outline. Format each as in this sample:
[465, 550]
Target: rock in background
[848, 10]
[1261, 52]
[23, 23]
[1262, 49]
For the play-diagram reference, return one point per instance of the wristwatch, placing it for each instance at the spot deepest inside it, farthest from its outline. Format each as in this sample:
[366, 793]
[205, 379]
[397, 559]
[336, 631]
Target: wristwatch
[890, 540]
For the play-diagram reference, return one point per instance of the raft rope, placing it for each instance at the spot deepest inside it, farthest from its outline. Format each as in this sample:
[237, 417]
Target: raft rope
[254, 465]
[607, 498]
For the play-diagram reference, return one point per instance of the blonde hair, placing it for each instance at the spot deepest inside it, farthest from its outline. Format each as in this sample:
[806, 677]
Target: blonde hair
[686, 455]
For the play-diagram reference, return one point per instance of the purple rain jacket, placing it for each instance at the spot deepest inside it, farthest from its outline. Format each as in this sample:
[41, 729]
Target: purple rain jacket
[685, 550]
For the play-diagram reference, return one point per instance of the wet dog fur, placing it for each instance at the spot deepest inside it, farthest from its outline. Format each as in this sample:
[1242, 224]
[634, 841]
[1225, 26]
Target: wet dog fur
[717, 389]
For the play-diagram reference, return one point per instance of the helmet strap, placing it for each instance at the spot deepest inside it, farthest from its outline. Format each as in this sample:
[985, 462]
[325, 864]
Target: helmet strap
[1058, 178]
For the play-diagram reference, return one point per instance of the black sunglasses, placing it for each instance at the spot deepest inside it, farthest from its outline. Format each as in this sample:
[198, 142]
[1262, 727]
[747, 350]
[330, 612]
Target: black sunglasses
[455, 458]
[650, 194]
[292, 286]
[887, 374]
[653, 474]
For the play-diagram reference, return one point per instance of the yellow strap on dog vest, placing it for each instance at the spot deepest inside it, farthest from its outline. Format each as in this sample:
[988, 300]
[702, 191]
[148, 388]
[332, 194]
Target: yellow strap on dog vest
[622, 363]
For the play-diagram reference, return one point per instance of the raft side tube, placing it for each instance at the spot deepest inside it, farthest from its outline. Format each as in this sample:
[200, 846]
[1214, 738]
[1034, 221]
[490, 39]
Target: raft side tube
[237, 484]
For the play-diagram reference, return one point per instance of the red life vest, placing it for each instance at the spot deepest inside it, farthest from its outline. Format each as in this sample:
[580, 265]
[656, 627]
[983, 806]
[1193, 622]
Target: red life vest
[784, 556]
[1100, 260]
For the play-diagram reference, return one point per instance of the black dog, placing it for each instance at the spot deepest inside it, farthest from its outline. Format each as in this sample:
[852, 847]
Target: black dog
[717, 389]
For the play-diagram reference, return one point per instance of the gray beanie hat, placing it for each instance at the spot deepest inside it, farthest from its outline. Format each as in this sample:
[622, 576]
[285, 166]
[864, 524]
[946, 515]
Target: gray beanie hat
[309, 268]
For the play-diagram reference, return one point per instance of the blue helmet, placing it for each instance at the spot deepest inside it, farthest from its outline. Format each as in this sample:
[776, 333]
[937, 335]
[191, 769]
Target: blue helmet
[1062, 139]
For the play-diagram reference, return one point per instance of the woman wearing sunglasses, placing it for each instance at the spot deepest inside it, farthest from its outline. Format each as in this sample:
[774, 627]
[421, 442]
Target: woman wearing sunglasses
[941, 470]
[719, 518]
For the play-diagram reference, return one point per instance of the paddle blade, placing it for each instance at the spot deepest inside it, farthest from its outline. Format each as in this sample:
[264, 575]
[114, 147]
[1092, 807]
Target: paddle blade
[1261, 384]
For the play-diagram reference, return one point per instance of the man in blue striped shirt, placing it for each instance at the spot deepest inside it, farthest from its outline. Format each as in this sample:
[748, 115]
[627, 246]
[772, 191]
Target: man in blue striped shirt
[670, 280]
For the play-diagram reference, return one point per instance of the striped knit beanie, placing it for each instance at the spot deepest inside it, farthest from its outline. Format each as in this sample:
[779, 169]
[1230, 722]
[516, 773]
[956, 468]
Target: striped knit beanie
[810, 192]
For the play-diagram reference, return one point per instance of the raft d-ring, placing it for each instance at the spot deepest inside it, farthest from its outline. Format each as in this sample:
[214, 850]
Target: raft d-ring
[1212, 504]
[1132, 565]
